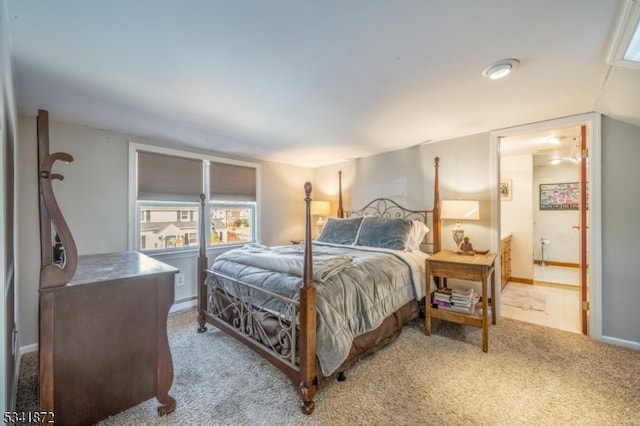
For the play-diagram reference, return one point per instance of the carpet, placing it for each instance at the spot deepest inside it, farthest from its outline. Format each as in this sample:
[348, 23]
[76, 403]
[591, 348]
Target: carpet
[523, 298]
[532, 375]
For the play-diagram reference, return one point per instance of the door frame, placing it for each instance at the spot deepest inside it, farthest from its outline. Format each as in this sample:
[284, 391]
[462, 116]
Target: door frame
[592, 121]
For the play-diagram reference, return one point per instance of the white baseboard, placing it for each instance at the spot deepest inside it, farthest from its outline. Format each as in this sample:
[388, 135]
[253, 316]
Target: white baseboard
[621, 342]
[28, 348]
[183, 306]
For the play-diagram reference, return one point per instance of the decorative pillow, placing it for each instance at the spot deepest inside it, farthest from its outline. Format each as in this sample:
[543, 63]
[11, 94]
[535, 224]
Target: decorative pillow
[340, 231]
[383, 232]
[418, 231]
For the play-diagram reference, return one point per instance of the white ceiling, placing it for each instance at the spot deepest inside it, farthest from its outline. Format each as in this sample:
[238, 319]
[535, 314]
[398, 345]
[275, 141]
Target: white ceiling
[312, 82]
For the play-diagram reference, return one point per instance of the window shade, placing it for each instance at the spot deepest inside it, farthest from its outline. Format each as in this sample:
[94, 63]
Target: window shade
[168, 178]
[230, 182]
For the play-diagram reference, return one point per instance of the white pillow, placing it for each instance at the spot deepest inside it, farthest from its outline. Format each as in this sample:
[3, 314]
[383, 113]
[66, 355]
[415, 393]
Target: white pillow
[416, 235]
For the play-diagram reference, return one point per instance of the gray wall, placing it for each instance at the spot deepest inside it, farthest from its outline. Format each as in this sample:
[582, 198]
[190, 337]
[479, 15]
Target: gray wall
[406, 176]
[8, 125]
[93, 198]
[620, 230]
[465, 172]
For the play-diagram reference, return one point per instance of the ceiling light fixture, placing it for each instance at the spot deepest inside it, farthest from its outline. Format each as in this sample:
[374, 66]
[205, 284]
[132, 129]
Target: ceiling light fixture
[500, 69]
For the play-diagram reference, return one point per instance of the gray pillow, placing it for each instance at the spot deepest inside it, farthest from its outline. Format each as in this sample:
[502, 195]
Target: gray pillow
[340, 231]
[382, 232]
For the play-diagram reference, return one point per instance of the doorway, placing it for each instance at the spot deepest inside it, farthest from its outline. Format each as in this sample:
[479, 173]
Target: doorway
[544, 286]
[526, 239]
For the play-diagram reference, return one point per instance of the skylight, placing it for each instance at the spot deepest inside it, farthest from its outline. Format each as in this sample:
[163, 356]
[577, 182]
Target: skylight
[633, 51]
[626, 47]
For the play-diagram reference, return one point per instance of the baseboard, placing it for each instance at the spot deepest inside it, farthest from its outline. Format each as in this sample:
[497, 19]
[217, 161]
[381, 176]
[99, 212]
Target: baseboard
[621, 342]
[521, 280]
[556, 263]
[183, 306]
[28, 348]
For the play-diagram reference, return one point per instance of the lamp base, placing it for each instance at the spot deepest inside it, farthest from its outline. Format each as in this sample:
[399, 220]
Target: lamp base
[458, 236]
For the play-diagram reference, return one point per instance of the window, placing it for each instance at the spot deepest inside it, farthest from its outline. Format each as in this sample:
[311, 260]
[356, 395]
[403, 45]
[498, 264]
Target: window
[232, 223]
[163, 231]
[232, 204]
[166, 195]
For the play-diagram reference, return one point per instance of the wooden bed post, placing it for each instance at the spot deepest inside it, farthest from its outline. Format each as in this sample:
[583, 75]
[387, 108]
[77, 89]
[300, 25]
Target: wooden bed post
[437, 226]
[308, 381]
[340, 209]
[202, 267]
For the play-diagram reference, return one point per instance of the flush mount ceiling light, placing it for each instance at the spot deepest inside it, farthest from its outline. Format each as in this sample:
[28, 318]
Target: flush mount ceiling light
[500, 69]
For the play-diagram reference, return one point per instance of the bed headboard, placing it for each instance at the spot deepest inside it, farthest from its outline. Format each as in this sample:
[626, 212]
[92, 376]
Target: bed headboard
[385, 207]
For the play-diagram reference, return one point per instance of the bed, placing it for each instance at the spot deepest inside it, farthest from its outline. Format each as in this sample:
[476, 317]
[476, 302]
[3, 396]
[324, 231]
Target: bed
[316, 308]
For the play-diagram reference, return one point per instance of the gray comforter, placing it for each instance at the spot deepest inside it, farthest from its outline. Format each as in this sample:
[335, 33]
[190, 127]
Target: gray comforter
[356, 288]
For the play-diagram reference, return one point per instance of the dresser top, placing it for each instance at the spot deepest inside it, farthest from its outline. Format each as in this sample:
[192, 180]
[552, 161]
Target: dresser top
[111, 266]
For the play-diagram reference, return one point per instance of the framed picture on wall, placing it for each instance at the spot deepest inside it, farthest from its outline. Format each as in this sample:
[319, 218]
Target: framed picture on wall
[505, 190]
[559, 196]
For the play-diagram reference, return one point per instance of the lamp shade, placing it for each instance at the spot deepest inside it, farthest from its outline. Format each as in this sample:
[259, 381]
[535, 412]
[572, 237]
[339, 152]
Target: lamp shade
[320, 208]
[460, 210]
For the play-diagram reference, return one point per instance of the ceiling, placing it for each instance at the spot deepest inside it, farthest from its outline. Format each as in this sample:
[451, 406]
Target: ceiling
[315, 82]
[546, 148]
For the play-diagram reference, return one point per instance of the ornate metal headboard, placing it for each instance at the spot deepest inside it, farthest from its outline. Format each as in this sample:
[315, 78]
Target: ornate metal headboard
[385, 207]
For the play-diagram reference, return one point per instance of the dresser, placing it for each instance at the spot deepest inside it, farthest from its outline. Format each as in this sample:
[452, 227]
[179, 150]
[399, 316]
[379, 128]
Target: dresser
[103, 339]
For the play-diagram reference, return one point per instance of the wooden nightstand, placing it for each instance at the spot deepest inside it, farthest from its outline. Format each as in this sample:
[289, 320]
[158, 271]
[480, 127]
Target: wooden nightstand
[448, 264]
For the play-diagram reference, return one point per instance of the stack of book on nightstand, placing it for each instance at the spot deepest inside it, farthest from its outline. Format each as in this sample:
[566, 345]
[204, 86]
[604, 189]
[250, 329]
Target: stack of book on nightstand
[456, 299]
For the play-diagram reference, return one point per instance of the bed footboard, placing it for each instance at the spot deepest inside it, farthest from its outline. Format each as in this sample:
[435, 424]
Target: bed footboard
[233, 301]
[225, 303]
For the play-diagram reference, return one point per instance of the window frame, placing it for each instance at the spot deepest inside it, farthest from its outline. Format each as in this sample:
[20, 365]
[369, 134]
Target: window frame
[133, 202]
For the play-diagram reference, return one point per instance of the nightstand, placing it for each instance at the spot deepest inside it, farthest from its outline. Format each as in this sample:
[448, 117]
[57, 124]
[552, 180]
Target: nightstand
[481, 268]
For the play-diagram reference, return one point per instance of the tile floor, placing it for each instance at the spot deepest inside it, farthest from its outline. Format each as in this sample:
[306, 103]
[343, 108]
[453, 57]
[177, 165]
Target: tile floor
[560, 286]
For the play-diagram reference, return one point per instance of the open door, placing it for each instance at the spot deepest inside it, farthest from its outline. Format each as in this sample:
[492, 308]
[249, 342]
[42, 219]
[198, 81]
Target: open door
[583, 226]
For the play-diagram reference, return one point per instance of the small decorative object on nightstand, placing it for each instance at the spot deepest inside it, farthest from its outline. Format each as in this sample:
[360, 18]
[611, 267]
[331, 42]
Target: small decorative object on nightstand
[297, 241]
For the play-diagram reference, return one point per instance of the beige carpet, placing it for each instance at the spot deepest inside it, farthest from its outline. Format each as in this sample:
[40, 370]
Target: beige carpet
[532, 375]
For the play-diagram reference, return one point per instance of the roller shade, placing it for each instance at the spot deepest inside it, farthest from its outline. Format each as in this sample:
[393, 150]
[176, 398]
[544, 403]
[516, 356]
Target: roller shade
[230, 182]
[168, 178]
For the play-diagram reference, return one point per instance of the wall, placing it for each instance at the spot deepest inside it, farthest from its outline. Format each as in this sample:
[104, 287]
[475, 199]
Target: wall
[406, 176]
[9, 361]
[620, 231]
[516, 215]
[93, 198]
[557, 226]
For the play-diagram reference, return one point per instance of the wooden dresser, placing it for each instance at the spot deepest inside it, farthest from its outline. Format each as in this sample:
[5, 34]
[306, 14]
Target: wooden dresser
[505, 260]
[103, 338]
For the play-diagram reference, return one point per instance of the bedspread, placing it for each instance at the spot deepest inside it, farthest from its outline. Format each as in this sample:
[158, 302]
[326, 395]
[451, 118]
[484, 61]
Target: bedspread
[356, 288]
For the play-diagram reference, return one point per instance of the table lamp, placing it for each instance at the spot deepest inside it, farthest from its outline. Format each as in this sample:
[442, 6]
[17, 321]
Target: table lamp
[320, 209]
[460, 210]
